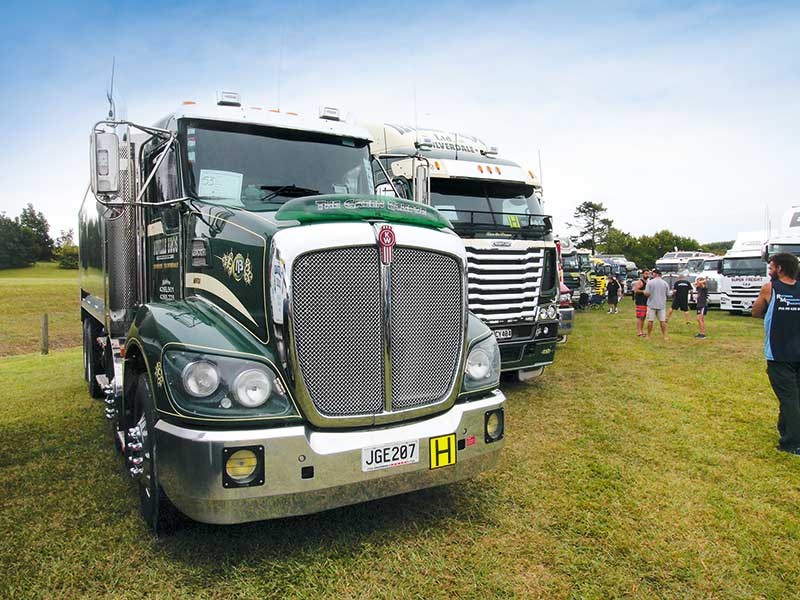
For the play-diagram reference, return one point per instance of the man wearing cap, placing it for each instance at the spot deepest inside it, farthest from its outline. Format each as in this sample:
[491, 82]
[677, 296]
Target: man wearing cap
[657, 291]
[779, 305]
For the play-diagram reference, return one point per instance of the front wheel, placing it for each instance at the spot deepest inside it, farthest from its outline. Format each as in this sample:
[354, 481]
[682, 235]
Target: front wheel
[142, 454]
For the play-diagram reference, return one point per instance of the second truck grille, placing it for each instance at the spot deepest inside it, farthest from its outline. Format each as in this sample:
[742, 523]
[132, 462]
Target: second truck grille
[504, 283]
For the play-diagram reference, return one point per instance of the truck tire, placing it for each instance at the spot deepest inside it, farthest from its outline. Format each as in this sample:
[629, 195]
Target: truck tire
[90, 369]
[157, 511]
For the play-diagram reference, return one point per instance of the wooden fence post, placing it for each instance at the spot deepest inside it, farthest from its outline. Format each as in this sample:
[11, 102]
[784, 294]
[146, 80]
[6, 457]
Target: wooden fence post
[45, 335]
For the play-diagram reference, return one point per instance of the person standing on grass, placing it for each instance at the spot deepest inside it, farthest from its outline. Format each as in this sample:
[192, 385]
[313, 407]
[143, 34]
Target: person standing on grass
[779, 305]
[702, 305]
[657, 291]
[613, 291]
[640, 302]
[680, 297]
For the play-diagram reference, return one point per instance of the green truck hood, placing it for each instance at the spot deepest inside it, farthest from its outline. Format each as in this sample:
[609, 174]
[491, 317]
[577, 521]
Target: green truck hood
[337, 207]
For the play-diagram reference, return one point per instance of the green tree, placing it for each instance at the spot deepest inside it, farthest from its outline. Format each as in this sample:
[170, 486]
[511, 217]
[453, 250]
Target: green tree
[718, 247]
[66, 252]
[36, 222]
[18, 246]
[592, 225]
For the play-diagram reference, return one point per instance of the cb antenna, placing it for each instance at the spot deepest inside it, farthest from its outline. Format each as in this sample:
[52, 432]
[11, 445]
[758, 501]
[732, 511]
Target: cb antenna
[112, 111]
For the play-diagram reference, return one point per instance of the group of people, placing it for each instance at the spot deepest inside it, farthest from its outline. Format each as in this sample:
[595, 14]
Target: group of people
[650, 295]
[778, 304]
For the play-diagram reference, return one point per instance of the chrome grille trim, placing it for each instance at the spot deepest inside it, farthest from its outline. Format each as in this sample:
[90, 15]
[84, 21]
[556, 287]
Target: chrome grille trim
[504, 283]
[288, 247]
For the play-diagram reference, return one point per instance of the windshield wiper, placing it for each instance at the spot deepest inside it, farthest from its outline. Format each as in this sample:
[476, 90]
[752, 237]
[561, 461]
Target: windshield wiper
[290, 191]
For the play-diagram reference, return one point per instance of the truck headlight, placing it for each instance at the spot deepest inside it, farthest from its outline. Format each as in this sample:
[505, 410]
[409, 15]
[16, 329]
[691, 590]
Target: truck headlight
[551, 312]
[225, 387]
[482, 369]
[252, 387]
[200, 378]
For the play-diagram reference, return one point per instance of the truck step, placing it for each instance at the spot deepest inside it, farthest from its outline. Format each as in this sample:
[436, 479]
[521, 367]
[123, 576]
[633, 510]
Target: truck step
[102, 381]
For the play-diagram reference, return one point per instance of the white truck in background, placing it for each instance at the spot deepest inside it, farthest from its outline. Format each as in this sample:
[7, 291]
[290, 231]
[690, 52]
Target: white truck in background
[788, 237]
[711, 272]
[494, 205]
[743, 272]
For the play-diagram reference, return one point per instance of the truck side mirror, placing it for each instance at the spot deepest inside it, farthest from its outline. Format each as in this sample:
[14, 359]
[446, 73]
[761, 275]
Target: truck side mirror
[104, 161]
[765, 253]
[422, 184]
[170, 218]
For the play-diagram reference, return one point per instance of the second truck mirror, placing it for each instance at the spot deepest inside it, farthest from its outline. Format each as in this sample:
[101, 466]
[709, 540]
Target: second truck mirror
[422, 184]
[104, 161]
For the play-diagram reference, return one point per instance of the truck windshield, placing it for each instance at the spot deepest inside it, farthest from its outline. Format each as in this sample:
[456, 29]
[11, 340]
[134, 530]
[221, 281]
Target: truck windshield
[259, 168]
[503, 204]
[570, 262]
[695, 265]
[668, 267]
[585, 262]
[743, 266]
[712, 265]
[790, 248]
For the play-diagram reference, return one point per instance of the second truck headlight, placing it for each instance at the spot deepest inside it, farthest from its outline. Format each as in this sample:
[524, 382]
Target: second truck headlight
[482, 369]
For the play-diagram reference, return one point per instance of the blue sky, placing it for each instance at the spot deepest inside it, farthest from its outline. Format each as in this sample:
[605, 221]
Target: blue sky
[675, 115]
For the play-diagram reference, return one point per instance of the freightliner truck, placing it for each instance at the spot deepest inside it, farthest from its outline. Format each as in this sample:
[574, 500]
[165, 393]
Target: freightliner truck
[495, 206]
[271, 338]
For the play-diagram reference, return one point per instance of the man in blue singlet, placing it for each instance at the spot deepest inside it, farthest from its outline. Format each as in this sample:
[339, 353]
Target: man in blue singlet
[779, 305]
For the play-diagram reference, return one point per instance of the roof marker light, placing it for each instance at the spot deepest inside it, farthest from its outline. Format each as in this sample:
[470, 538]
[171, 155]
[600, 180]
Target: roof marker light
[294, 114]
[228, 99]
[488, 168]
[256, 108]
[329, 113]
[480, 168]
[186, 102]
[530, 172]
[498, 170]
[424, 145]
[436, 164]
[275, 110]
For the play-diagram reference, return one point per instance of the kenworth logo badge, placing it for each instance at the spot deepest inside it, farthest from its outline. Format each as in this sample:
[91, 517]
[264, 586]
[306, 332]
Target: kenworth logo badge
[386, 242]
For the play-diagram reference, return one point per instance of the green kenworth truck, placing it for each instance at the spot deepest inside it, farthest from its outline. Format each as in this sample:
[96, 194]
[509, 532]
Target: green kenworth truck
[269, 336]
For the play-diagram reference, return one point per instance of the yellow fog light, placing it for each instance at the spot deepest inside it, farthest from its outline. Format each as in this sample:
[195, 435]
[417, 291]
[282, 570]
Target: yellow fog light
[494, 424]
[244, 467]
[241, 465]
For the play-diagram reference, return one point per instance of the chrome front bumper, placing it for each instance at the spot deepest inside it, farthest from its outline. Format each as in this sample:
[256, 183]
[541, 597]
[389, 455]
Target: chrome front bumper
[190, 465]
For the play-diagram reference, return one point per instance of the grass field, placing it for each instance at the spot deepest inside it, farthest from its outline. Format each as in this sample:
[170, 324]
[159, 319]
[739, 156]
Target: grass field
[25, 294]
[632, 468]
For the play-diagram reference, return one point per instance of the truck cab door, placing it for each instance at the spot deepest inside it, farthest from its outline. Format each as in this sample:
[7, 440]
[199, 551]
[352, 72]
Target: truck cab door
[164, 246]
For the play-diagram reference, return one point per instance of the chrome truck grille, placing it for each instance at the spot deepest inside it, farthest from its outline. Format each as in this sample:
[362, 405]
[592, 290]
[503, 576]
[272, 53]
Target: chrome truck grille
[340, 328]
[504, 282]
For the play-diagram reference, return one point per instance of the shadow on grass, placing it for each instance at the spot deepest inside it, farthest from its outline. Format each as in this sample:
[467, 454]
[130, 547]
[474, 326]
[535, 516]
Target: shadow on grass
[348, 531]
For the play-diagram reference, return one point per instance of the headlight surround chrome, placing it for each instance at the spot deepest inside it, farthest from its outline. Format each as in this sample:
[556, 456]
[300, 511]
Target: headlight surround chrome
[482, 369]
[244, 388]
[551, 312]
